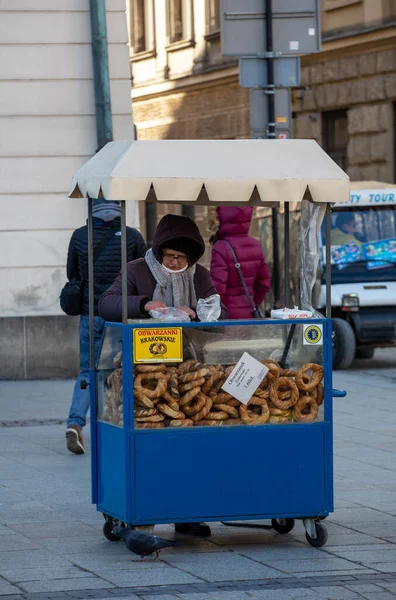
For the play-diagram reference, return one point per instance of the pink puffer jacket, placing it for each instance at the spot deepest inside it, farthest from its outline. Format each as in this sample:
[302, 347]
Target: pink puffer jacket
[234, 226]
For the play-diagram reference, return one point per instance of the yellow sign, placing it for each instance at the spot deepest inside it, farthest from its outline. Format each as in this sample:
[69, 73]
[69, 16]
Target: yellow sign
[158, 345]
[281, 119]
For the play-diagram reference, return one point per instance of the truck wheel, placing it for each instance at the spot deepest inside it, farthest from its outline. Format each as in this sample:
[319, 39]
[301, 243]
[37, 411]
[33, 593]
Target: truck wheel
[344, 344]
[365, 353]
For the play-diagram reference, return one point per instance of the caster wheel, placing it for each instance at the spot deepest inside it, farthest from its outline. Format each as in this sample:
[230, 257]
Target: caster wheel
[283, 525]
[322, 536]
[107, 531]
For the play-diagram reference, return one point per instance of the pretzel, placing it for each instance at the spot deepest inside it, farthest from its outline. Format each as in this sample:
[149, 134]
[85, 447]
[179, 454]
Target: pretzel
[166, 409]
[179, 423]
[214, 377]
[229, 370]
[186, 399]
[173, 383]
[186, 387]
[224, 398]
[189, 367]
[194, 376]
[249, 417]
[234, 422]
[274, 395]
[171, 402]
[153, 419]
[273, 369]
[150, 368]
[303, 402]
[205, 409]
[149, 425]
[197, 405]
[145, 412]
[288, 373]
[143, 400]
[160, 388]
[262, 393]
[317, 376]
[230, 410]
[209, 423]
[279, 419]
[219, 415]
[278, 412]
[318, 394]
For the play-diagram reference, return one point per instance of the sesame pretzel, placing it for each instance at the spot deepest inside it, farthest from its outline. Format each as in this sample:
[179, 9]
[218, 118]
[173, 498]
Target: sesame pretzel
[286, 402]
[160, 388]
[304, 402]
[314, 380]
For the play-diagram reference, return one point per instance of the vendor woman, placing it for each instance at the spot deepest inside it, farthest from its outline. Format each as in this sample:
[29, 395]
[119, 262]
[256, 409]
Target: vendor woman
[167, 276]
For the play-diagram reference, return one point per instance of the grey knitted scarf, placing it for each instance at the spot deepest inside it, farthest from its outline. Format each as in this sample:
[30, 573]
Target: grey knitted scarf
[174, 289]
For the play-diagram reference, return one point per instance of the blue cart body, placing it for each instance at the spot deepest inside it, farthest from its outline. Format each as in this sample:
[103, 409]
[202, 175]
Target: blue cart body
[143, 476]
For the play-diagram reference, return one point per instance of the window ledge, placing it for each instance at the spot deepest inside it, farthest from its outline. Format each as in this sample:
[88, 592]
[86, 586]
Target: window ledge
[334, 4]
[212, 36]
[181, 45]
[143, 55]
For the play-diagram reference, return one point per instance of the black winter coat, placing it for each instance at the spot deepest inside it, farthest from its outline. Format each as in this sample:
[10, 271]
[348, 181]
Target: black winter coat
[108, 263]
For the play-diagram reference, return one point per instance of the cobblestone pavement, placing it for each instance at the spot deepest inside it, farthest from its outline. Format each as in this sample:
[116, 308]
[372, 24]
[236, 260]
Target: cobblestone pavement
[51, 542]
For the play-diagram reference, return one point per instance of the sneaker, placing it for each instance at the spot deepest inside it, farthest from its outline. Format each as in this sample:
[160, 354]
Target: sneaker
[74, 439]
[198, 529]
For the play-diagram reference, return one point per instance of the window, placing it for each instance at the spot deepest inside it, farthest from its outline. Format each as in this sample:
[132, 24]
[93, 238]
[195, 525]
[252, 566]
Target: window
[141, 25]
[335, 136]
[179, 20]
[213, 15]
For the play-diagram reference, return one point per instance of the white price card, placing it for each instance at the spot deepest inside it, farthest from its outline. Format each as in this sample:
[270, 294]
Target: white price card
[245, 378]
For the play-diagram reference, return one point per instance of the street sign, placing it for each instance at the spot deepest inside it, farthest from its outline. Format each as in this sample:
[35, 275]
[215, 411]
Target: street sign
[295, 24]
[259, 110]
[253, 72]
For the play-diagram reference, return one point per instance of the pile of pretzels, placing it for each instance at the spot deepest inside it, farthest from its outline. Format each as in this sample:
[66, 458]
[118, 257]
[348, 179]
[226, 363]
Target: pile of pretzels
[191, 395]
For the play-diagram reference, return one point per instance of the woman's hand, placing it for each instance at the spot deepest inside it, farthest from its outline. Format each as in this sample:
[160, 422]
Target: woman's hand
[153, 304]
[189, 311]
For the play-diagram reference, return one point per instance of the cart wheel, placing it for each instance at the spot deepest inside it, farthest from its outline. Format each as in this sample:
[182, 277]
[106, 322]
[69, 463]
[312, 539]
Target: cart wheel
[107, 531]
[321, 538]
[283, 525]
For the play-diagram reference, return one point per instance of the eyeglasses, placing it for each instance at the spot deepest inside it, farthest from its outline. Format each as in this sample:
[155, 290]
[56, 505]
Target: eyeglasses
[180, 258]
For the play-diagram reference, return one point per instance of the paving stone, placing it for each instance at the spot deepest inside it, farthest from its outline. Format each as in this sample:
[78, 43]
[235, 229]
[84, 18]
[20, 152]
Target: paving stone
[8, 589]
[90, 583]
[325, 563]
[43, 574]
[284, 594]
[336, 593]
[223, 566]
[378, 596]
[364, 587]
[148, 577]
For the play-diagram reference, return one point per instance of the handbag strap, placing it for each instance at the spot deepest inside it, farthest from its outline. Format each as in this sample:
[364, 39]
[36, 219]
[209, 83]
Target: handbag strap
[98, 249]
[241, 277]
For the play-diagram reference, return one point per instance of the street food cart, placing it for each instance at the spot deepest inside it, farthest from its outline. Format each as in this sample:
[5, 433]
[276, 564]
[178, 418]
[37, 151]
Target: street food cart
[174, 436]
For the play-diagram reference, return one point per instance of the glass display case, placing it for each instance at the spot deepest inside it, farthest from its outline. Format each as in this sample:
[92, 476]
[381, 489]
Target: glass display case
[202, 375]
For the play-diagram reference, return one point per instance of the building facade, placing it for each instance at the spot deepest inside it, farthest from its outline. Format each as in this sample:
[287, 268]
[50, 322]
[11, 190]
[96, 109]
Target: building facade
[48, 130]
[184, 88]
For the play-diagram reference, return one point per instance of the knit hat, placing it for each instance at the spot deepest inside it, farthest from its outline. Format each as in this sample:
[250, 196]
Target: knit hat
[179, 233]
[107, 210]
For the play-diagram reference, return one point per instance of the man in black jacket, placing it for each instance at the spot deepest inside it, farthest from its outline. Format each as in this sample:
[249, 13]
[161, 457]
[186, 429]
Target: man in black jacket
[106, 224]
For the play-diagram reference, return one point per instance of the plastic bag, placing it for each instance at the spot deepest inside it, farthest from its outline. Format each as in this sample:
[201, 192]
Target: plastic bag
[169, 315]
[209, 309]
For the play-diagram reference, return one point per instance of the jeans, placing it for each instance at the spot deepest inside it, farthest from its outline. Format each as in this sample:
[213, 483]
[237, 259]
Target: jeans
[81, 398]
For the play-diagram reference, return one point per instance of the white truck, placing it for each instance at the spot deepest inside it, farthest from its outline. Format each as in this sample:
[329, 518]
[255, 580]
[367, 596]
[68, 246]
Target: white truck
[363, 256]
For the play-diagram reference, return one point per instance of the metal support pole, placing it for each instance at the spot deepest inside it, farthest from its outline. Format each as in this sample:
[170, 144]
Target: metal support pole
[328, 262]
[286, 225]
[124, 280]
[271, 133]
[91, 290]
[188, 211]
[151, 222]
[104, 124]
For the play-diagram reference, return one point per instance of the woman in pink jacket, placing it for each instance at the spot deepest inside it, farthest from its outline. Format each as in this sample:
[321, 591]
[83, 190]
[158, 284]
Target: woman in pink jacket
[233, 229]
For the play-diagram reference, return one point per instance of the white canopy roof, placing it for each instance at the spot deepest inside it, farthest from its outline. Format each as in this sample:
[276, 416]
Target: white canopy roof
[212, 171]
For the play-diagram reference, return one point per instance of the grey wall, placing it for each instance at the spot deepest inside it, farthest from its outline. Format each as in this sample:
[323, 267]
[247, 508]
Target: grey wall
[38, 347]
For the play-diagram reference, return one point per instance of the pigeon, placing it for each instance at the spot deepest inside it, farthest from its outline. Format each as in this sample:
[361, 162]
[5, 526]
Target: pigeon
[142, 543]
